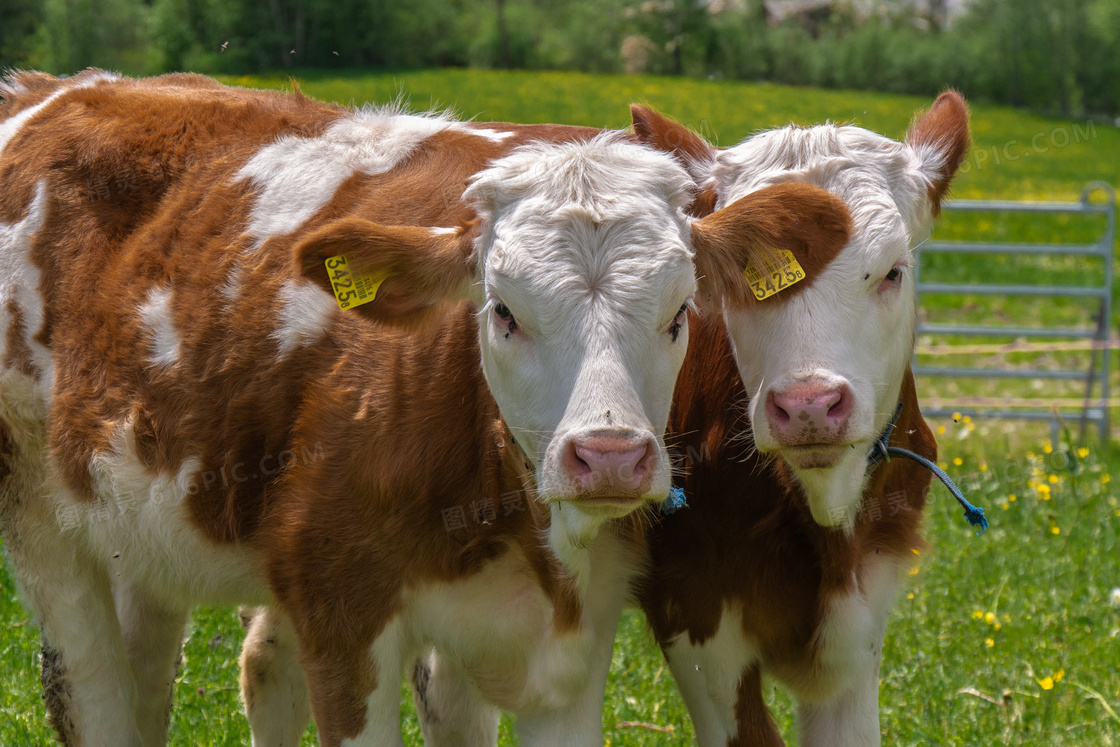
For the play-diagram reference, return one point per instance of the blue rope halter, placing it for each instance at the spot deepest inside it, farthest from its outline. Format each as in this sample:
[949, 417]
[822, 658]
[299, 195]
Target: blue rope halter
[882, 450]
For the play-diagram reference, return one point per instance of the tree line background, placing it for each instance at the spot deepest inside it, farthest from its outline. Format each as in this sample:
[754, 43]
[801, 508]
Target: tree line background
[1049, 55]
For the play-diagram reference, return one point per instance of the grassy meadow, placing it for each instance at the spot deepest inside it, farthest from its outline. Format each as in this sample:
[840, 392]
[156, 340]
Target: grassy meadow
[1010, 638]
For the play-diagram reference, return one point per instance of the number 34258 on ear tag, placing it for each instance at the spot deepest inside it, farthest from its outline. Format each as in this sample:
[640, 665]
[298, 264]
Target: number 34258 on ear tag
[778, 273]
[350, 288]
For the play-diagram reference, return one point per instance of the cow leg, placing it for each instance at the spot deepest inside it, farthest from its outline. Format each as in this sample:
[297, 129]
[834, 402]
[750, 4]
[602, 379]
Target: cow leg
[153, 639]
[88, 687]
[356, 694]
[723, 696]
[452, 711]
[273, 684]
[851, 718]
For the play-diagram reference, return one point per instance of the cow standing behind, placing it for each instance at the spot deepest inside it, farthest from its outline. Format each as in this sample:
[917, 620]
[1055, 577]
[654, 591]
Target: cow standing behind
[189, 417]
[788, 558]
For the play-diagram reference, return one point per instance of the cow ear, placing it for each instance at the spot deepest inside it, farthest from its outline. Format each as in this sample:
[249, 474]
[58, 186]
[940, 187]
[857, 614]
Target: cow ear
[418, 268]
[658, 131]
[806, 220]
[940, 138]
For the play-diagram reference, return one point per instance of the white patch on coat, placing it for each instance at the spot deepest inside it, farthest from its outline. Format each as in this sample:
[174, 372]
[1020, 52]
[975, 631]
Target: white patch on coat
[305, 314]
[143, 519]
[443, 230]
[495, 135]
[588, 246]
[839, 704]
[19, 282]
[157, 316]
[708, 675]
[296, 176]
[496, 628]
[842, 329]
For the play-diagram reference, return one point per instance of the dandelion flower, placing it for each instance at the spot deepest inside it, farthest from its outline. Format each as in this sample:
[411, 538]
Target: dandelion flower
[1011, 497]
[1046, 447]
[910, 595]
[989, 642]
[989, 617]
[1105, 479]
[956, 417]
[1083, 452]
[1059, 674]
[958, 461]
[941, 430]
[1053, 479]
[1055, 530]
[983, 466]
[977, 614]
[1046, 683]
[914, 571]
[966, 420]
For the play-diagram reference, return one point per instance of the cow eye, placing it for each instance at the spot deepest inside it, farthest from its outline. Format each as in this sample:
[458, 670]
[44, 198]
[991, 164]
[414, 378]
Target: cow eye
[678, 322]
[505, 317]
[893, 279]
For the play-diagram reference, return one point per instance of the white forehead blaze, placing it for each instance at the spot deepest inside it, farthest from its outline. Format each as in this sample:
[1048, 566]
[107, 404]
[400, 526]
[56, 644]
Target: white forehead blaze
[565, 223]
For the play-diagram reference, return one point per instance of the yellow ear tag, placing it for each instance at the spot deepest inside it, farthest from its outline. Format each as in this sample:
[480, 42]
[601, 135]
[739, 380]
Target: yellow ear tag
[779, 273]
[351, 289]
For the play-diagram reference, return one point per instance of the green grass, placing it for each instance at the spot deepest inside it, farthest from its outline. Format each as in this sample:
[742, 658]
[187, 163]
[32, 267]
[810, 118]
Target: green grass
[1049, 592]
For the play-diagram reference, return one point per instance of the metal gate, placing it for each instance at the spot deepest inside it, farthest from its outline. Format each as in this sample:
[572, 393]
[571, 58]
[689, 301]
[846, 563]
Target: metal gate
[1095, 338]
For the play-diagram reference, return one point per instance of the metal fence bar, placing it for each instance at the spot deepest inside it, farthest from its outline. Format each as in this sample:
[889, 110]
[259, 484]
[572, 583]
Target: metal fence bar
[1099, 368]
[1007, 331]
[987, 373]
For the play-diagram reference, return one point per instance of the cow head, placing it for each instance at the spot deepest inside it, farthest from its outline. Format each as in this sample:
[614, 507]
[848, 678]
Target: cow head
[824, 359]
[581, 266]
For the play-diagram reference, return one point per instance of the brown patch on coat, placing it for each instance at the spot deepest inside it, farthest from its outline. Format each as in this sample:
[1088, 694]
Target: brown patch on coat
[17, 353]
[808, 221]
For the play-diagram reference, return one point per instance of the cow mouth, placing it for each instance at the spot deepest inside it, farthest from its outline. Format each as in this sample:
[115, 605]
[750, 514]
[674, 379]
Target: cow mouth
[617, 505]
[814, 456]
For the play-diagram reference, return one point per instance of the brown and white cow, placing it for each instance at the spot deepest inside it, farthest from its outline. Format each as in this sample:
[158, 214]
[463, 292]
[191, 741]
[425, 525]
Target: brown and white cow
[789, 556]
[188, 416]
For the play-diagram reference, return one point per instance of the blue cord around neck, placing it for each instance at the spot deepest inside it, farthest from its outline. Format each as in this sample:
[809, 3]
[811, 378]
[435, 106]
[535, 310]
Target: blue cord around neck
[882, 450]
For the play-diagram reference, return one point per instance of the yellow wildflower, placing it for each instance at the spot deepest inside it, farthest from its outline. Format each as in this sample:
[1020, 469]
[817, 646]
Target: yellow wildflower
[1053, 479]
[910, 595]
[958, 461]
[1046, 447]
[1059, 674]
[989, 617]
[1046, 683]
[1083, 452]
[914, 571]
[966, 420]
[941, 430]
[978, 615]
[1011, 497]
[983, 466]
[989, 642]
[956, 417]
[1055, 530]
[1105, 479]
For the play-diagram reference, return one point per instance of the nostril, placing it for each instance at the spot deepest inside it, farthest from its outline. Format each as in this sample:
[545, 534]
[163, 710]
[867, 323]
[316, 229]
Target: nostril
[774, 411]
[840, 404]
[574, 464]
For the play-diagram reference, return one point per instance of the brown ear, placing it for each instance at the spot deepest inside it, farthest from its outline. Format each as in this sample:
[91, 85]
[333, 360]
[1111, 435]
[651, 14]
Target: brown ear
[658, 131]
[808, 221]
[424, 268]
[940, 136]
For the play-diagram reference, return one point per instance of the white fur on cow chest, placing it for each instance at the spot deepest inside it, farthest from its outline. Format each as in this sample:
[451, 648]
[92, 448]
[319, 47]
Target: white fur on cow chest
[849, 640]
[141, 529]
[497, 625]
